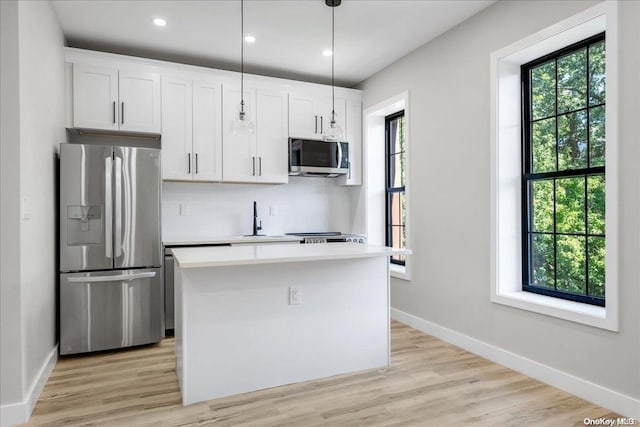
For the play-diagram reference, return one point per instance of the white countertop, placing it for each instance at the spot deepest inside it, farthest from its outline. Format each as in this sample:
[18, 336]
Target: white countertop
[219, 256]
[231, 240]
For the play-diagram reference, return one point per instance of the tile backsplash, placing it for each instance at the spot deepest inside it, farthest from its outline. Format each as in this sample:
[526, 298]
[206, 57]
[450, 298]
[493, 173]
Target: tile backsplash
[193, 211]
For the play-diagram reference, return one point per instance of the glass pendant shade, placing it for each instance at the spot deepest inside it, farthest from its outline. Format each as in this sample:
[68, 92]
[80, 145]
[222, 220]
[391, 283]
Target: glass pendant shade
[334, 131]
[241, 125]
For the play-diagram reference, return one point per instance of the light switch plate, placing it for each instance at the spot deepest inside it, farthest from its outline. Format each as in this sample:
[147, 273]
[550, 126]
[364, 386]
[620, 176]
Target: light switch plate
[184, 209]
[26, 207]
[295, 295]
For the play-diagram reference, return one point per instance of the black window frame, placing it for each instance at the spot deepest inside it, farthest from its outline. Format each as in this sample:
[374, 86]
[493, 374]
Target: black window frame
[527, 176]
[389, 190]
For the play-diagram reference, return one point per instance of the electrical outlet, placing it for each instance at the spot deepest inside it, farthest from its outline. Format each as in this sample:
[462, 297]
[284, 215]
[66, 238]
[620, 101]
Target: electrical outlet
[184, 209]
[272, 210]
[295, 295]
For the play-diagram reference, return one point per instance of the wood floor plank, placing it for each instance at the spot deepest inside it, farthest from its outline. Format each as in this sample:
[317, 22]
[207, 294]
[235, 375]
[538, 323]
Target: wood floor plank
[429, 383]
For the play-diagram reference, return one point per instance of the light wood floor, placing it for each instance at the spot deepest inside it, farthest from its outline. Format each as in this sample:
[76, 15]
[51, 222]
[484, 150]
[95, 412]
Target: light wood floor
[429, 383]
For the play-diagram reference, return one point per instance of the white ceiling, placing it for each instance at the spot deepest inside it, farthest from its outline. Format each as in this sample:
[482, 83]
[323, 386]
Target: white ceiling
[291, 34]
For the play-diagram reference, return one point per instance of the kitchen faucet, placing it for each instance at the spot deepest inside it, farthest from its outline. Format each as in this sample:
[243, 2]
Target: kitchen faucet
[256, 227]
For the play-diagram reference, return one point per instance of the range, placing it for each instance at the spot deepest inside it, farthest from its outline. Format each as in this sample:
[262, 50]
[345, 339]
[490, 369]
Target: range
[329, 237]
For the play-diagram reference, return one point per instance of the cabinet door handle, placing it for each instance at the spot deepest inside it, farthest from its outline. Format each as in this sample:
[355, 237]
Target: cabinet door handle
[260, 166]
[188, 162]
[316, 131]
[122, 112]
[321, 125]
[114, 112]
[196, 163]
[254, 166]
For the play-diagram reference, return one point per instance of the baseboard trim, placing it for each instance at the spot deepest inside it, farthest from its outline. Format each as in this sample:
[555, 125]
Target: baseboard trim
[602, 396]
[19, 413]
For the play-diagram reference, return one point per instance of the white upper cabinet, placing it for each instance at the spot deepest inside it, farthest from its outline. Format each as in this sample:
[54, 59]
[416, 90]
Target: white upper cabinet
[191, 130]
[310, 113]
[261, 157]
[303, 117]
[139, 101]
[105, 98]
[95, 97]
[207, 131]
[272, 136]
[193, 110]
[177, 113]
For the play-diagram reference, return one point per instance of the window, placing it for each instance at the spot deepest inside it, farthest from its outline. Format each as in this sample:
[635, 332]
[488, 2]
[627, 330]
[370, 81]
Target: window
[507, 247]
[395, 211]
[563, 173]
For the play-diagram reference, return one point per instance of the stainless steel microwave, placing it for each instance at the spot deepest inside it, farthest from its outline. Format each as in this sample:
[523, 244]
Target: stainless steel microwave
[310, 157]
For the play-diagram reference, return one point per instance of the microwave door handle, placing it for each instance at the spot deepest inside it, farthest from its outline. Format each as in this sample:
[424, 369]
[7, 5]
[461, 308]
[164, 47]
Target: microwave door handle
[339, 155]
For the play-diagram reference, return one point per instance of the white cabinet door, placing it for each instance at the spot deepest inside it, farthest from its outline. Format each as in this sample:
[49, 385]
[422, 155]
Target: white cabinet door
[354, 138]
[304, 121]
[207, 131]
[176, 129]
[239, 158]
[95, 97]
[272, 136]
[139, 101]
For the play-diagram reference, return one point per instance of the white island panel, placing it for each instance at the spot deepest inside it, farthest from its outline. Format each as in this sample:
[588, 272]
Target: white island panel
[236, 331]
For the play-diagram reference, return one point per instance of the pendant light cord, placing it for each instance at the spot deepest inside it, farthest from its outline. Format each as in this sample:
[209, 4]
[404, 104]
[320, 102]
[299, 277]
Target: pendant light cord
[242, 56]
[333, 59]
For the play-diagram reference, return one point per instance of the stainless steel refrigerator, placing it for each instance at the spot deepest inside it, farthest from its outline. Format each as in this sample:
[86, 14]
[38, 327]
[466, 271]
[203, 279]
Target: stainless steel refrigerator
[111, 292]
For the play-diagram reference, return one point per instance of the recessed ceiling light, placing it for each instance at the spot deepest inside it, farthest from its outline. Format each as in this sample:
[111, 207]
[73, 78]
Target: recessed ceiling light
[249, 39]
[327, 52]
[160, 22]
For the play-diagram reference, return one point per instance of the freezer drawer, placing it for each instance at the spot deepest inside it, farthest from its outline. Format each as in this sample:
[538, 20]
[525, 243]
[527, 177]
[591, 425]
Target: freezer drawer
[108, 310]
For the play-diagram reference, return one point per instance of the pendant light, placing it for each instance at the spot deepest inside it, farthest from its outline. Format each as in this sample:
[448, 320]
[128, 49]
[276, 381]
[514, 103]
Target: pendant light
[241, 125]
[334, 131]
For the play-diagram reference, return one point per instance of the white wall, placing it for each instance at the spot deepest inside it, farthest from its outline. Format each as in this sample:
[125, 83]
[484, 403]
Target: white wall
[38, 112]
[304, 204]
[10, 320]
[448, 84]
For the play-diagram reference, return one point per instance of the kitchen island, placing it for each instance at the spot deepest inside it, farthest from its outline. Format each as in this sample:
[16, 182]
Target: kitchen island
[257, 316]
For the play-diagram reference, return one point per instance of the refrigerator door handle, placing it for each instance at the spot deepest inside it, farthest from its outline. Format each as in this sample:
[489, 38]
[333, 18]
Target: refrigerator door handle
[108, 209]
[118, 208]
[118, 278]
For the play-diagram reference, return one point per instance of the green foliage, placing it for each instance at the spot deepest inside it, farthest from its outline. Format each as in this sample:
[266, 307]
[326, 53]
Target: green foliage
[544, 145]
[572, 82]
[596, 136]
[596, 74]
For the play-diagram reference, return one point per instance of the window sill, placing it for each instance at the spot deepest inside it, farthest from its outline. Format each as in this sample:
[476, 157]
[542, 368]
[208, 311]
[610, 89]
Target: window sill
[399, 272]
[586, 314]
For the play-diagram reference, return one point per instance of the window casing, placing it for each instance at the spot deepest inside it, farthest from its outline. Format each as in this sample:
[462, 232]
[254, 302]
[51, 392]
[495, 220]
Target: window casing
[395, 209]
[563, 173]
